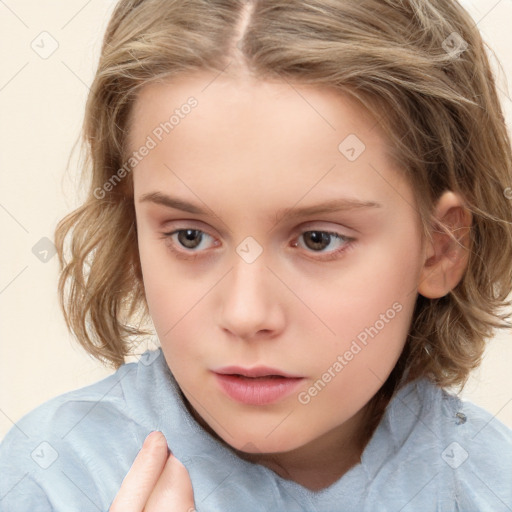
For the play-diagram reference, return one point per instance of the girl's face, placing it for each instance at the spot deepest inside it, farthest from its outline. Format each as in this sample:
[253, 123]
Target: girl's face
[275, 237]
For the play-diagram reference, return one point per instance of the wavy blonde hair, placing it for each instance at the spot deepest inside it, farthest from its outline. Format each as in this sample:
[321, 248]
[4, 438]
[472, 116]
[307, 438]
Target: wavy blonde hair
[438, 107]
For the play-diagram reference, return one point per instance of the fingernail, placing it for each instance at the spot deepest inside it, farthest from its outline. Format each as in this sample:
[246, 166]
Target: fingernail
[152, 434]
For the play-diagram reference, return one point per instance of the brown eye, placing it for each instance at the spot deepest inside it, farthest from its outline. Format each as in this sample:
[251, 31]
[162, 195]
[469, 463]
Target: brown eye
[317, 240]
[190, 244]
[190, 238]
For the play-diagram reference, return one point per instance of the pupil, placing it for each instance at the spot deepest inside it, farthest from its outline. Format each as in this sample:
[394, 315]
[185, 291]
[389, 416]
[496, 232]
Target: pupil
[317, 239]
[190, 238]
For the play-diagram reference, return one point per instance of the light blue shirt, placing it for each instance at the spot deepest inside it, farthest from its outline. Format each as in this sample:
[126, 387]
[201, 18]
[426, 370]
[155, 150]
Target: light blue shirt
[430, 452]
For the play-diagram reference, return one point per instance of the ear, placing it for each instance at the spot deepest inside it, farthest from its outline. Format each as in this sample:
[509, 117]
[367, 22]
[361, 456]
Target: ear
[446, 258]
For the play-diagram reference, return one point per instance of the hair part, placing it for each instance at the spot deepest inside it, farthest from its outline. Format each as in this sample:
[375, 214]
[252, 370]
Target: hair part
[439, 111]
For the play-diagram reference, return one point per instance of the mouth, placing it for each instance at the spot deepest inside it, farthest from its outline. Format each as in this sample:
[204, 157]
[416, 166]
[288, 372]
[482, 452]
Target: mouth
[256, 372]
[256, 386]
[257, 378]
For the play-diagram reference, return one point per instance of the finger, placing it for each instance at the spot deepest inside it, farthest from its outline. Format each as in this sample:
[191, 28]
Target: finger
[142, 476]
[173, 491]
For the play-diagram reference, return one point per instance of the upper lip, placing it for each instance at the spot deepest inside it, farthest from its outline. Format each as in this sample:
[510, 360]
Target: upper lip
[257, 371]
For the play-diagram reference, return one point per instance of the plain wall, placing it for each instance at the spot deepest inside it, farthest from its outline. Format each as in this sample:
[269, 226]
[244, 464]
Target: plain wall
[41, 104]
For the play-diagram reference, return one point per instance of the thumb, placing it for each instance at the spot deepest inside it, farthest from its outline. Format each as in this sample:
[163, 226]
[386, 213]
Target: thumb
[173, 491]
[143, 475]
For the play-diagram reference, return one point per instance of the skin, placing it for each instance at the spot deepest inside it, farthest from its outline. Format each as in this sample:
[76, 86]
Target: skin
[248, 150]
[157, 481]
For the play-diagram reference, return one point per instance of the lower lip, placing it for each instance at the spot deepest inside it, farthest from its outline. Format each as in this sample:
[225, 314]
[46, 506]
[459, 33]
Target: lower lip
[260, 391]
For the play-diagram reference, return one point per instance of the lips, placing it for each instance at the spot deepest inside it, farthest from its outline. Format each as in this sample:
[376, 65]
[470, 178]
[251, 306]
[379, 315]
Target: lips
[258, 371]
[256, 386]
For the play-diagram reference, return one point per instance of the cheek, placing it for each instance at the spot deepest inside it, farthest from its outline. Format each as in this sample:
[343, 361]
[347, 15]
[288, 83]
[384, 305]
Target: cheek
[169, 302]
[176, 294]
[163, 285]
[369, 306]
[348, 372]
[370, 286]
[154, 273]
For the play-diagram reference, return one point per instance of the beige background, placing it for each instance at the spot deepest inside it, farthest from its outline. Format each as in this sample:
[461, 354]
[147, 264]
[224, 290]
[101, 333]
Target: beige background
[42, 101]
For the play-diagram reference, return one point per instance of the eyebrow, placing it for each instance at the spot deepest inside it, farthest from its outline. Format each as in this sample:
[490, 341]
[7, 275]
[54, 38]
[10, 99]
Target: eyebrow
[335, 205]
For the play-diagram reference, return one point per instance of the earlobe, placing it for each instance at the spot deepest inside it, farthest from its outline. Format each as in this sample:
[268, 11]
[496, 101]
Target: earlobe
[446, 257]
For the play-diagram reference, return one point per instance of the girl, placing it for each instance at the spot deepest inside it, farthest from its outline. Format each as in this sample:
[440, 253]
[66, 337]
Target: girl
[305, 200]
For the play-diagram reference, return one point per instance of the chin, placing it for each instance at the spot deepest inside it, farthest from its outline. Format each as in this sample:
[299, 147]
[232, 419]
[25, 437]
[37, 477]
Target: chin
[264, 441]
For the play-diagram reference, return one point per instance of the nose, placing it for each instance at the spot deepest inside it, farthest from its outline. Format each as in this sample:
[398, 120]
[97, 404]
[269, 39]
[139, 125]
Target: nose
[250, 304]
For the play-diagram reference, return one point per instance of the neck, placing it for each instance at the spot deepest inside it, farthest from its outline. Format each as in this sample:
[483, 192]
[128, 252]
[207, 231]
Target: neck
[324, 460]
[321, 462]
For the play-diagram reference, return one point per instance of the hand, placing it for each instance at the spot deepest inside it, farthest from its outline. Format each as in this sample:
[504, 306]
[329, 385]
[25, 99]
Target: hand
[156, 482]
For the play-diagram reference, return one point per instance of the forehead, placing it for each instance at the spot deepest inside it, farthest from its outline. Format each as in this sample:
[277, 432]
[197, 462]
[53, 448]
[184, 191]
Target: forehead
[246, 136]
[237, 102]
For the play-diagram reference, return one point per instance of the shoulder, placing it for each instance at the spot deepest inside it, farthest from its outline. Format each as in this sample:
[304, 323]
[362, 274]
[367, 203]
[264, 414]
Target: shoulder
[62, 451]
[478, 452]
[58, 416]
[464, 452]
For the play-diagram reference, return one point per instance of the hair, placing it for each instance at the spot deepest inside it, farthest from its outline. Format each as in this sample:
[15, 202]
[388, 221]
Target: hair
[438, 108]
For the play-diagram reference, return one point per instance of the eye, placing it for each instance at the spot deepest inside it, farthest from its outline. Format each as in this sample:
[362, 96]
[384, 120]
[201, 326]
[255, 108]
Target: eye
[193, 240]
[318, 240]
[325, 242]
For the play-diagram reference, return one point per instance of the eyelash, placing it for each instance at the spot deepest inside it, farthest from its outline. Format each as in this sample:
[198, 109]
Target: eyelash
[328, 256]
